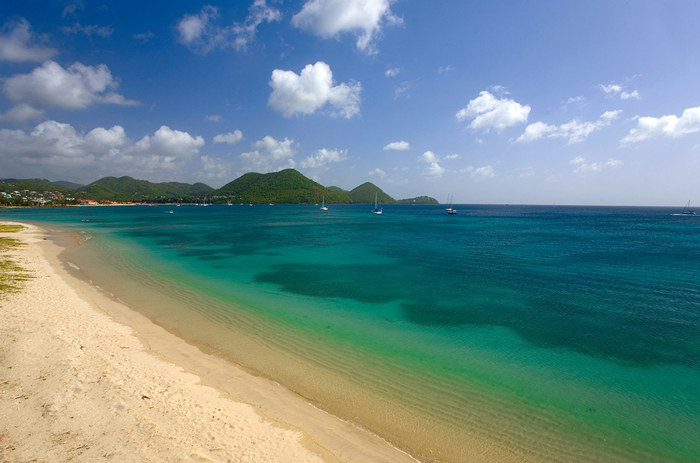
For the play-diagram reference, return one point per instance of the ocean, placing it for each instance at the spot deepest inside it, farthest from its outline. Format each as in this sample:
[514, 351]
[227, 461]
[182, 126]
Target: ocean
[512, 333]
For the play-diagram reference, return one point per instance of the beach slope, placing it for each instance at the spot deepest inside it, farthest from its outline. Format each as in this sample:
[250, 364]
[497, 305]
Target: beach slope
[78, 385]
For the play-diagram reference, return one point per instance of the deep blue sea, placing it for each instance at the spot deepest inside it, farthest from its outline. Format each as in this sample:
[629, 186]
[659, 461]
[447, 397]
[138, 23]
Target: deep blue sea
[517, 333]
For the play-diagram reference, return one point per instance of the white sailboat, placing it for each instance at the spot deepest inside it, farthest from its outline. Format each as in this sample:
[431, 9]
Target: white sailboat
[323, 204]
[686, 210]
[450, 209]
[376, 210]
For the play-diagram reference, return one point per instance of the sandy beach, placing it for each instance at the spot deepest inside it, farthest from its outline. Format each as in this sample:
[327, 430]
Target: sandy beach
[85, 378]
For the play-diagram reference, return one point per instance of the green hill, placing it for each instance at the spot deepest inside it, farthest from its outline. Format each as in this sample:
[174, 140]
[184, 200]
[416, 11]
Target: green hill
[337, 189]
[32, 184]
[364, 194]
[130, 189]
[68, 185]
[284, 187]
[419, 200]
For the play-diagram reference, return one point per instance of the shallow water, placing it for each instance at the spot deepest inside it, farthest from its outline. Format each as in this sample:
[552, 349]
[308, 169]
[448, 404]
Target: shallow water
[505, 332]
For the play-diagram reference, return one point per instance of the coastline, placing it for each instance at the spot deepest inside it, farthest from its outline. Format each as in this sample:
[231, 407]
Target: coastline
[92, 378]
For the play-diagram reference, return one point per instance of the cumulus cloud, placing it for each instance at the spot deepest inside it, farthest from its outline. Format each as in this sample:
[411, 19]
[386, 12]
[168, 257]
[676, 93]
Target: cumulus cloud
[213, 168]
[483, 172]
[377, 173]
[428, 156]
[102, 31]
[670, 126]
[19, 44]
[398, 146]
[311, 90]
[266, 154]
[574, 131]
[615, 89]
[77, 87]
[331, 18]
[22, 113]
[324, 157]
[392, 72]
[433, 170]
[230, 138]
[489, 112]
[582, 167]
[201, 34]
[101, 151]
[451, 156]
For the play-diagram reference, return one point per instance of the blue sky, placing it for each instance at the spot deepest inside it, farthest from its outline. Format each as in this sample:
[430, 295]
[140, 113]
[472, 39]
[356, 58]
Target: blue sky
[547, 102]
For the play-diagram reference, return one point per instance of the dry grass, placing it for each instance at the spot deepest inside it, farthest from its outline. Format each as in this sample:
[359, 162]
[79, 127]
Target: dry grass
[11, 274]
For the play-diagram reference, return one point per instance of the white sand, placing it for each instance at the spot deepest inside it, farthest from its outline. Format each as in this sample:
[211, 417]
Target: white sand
[84, 378]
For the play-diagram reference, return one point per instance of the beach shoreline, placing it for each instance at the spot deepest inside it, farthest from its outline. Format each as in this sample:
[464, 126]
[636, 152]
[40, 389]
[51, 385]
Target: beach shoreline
[92, 379]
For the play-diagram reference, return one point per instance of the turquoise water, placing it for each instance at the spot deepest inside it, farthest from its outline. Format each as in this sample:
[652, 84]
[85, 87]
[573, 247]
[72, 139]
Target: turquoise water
[541, 333]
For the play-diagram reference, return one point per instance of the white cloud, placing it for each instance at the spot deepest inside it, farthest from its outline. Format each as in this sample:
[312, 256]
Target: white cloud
[77, 87]
[582, 167]
[61, 148]
[199, 33]
[433, 170]
[213, 168]
[483, 172]
[22, 113]
[18, 43]
[447, 68]
[398, 146]
[268, 152]
[324, 157]
[145, 37]
[575, 99]
[575, 131]
[331, 18]
[213, 118]
[258, 13]
[392, 72]
[377, 172]
[76, 28]
[451, 156]
[615, 89]
[670, 126]
[402, 88]
[489, 112]
[428, 156]
[611, 89]
[312, 89]
[230, 138]
[500, 89]
[627, 96]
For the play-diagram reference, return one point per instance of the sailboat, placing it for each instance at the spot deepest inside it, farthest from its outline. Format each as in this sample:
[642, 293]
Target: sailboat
[687, 211]
[449, 209]
[376, 210]
[323, 204]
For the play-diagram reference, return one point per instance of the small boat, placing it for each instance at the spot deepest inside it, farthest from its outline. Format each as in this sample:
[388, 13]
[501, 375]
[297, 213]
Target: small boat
[687, 211]
[228, 203]
[323, 204]
[376, 210]
[449, 209]
[170, 212]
